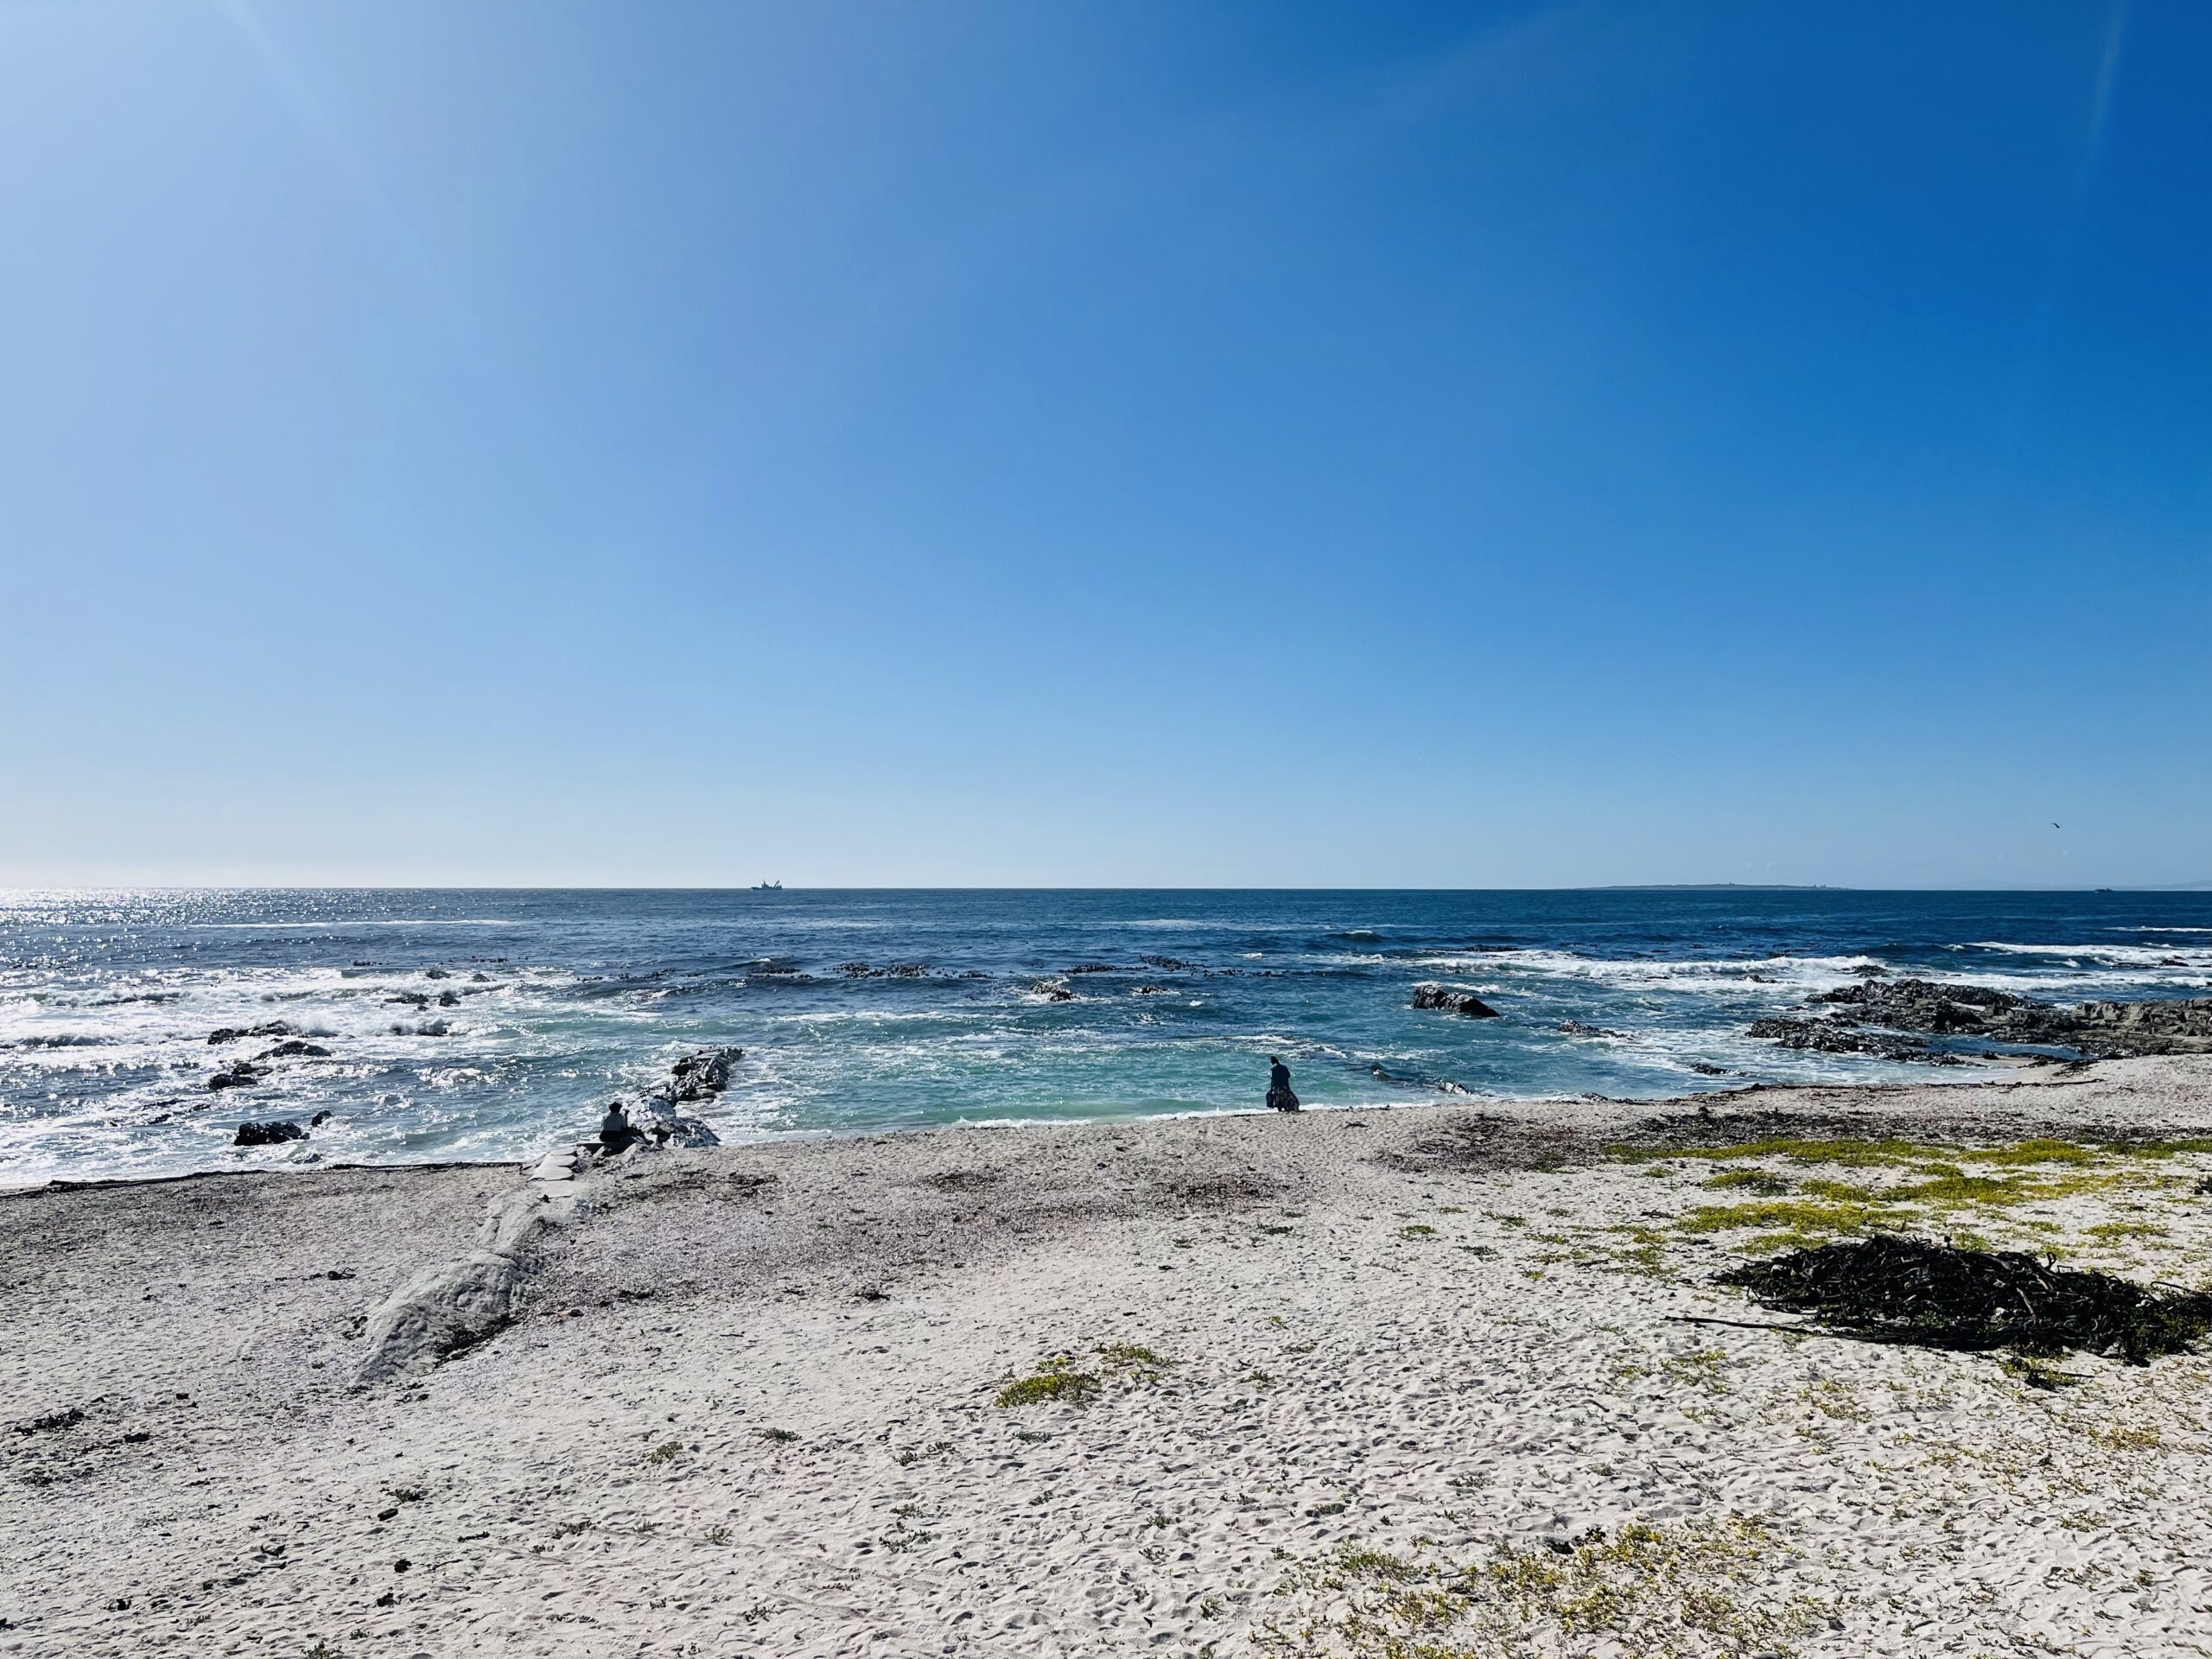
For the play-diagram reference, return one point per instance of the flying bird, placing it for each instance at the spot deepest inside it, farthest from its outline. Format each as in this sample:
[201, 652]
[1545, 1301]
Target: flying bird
[2054, 826]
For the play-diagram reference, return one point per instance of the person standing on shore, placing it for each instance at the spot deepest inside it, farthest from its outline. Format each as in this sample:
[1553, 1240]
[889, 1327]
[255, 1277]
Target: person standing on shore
[1279, 1095]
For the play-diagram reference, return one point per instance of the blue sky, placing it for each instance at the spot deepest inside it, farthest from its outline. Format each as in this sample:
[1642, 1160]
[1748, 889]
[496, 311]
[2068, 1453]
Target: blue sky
[1115, 443]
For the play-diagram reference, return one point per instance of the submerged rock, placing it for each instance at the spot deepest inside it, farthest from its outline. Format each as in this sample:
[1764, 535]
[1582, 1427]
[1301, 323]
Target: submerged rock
[1452, 1002]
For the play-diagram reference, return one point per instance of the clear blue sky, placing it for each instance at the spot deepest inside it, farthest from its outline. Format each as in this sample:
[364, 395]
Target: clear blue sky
[1118, 443]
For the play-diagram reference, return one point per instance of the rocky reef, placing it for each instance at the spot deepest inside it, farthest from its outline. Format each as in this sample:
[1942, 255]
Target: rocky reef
[1896, 1018]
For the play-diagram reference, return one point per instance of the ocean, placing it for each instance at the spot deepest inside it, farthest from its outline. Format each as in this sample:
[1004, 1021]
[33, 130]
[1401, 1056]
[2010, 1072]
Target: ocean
[485, 1025]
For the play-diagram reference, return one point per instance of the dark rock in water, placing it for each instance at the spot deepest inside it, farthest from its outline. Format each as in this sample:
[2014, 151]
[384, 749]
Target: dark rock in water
[436, 973]
[1452, 1002]
[241, 1073]
[1840, 1037]
[447, 1000]
[271, 1134]
[412, 999]
[2170, 1026]
[2101, 1030]
[695, 1078]
[1921, 1005]
[1097, 968]
[1576, 1029]
[1871, 970]
[319, 1120]
[701, 1076]
[295, 1050]
[231, 1034]
[1707, 1069]
[893, 970]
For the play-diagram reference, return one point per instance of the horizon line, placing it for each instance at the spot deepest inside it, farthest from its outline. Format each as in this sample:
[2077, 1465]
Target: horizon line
[1606, 886]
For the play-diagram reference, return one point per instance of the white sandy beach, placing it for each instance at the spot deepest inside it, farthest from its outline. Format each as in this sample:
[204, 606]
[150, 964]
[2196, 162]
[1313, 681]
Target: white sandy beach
[750, 1403]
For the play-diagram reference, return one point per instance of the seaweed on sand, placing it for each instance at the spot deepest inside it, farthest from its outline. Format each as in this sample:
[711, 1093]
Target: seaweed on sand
[1907, 1290]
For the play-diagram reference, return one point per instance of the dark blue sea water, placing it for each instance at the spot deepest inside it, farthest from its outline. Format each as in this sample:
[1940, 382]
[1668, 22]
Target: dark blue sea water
[561, 1001]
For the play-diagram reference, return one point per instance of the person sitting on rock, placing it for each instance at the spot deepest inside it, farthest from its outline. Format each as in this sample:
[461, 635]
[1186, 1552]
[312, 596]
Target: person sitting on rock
[616, 1132]
[1279, 1095]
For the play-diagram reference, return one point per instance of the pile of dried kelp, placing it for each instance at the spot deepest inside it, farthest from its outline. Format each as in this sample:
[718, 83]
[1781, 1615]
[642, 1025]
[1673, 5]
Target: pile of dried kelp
[1910, 1290]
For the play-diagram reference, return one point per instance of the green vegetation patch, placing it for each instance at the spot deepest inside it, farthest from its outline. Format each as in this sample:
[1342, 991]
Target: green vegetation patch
[1059, 1379]
[1749, 1180]
[1691, 1587]
[1893, 1153]
[1808, 1216]
[1916, 1184]
[1056, 1379]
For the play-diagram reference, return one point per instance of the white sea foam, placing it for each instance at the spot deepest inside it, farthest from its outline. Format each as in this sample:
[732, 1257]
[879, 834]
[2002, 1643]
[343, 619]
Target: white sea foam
[1715, 975]
[2144, 955]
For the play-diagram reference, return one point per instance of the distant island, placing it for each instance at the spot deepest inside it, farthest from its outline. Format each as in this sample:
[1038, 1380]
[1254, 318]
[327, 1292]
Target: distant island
[1713, 886]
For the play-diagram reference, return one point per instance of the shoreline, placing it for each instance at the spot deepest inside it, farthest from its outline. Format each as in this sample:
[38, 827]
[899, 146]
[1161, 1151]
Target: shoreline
[749, 1397]
[2001, 1069]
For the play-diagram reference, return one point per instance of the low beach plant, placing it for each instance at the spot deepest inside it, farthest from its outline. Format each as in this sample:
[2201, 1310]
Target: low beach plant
[1056, 1379]
[1130, 1357]
[1749, 1180]
[1685, 1587]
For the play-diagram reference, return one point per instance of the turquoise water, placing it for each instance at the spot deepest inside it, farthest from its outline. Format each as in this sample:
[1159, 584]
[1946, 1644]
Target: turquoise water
[561, 1001]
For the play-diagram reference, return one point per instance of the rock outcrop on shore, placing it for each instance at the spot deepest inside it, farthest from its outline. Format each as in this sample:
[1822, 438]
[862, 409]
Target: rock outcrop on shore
[693, 1080]
[1838, 1036]
[1895, 1019]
